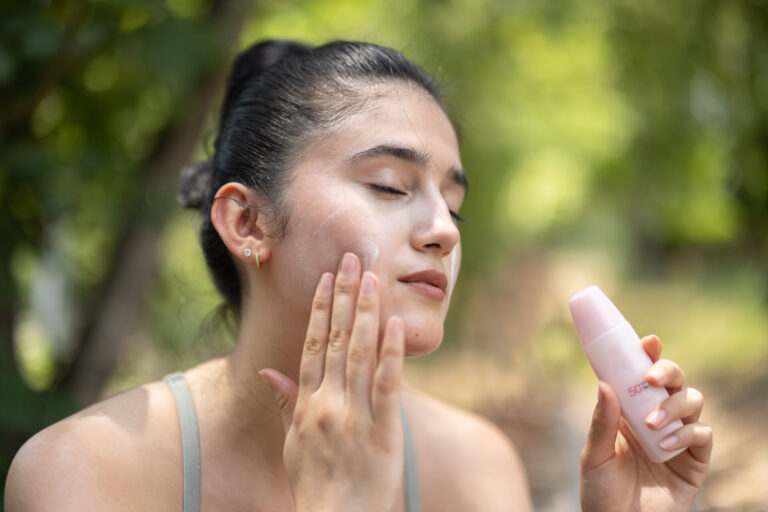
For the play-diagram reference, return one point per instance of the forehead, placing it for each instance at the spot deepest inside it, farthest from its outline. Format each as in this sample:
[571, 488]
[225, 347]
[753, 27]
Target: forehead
[399, 115]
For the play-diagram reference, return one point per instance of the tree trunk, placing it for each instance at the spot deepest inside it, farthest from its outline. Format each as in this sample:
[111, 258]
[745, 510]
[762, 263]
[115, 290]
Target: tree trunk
[121, 300]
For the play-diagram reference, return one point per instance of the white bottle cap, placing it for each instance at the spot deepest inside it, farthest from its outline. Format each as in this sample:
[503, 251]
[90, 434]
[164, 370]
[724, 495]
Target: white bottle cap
[593, 313]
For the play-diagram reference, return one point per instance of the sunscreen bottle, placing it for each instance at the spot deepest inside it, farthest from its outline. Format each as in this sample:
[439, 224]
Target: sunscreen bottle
[617, 357]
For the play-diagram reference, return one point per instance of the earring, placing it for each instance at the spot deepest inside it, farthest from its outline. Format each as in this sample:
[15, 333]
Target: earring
[247, 253]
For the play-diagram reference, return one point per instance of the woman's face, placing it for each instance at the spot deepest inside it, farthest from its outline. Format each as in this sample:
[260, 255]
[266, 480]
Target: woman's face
[382, 185]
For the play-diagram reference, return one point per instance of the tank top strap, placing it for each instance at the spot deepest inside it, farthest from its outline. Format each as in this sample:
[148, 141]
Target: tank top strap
[190, 439]
[190, 446]
[411, 475]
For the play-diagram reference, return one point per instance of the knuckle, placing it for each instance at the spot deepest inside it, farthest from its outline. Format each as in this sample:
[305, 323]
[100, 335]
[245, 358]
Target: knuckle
[696, 396]
[665, 364]
[596, 424]
[386, 384]
[325, 419]
[366, 303]
[695, 402]
[673, 367]
[321, 304]
[345, 285]
[358, 354]
[338, 337]
[390, 351]
[313, 344]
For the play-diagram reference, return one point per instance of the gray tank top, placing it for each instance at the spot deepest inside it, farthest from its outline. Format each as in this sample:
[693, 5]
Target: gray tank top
[190, 449]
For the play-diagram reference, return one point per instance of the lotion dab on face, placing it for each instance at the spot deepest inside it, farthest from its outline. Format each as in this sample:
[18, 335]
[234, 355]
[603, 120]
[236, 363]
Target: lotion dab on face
[454, 267]
[369, 253]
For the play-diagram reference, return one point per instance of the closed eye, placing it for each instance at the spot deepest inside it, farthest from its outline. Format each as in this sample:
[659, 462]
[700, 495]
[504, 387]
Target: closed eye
[389, 190]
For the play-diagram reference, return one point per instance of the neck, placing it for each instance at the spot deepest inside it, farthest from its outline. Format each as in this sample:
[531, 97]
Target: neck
[247, 418]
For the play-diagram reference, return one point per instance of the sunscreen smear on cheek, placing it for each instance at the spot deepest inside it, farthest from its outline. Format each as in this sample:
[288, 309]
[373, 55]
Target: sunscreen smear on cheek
[454, 266]
[616, 355]
[369, 253]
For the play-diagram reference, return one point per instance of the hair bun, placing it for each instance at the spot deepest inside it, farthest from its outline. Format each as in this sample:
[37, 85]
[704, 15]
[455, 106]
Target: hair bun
[195, 180]
[256, 59]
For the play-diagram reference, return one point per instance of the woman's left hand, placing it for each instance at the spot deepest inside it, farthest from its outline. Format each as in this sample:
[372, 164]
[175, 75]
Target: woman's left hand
[616, 475]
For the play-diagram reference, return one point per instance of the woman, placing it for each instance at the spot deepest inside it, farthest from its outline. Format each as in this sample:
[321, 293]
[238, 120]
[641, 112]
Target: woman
[329, 225]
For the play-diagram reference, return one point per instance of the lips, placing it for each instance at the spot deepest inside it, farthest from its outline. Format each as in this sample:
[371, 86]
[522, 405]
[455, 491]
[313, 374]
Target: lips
[429, 282]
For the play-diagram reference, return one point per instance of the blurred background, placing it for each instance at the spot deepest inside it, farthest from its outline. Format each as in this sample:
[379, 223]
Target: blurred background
[623, 144]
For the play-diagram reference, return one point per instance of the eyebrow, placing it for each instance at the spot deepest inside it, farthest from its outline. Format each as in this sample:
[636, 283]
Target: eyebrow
[411, 155]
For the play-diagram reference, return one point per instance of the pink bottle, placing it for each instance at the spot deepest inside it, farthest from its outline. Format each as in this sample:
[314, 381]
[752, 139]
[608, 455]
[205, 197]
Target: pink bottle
[617, 357]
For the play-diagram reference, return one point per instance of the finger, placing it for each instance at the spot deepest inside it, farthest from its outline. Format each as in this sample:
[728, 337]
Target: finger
[666, 373]
[313, 355]
[652, 346]
[386, 381]
[361, 356]
[285, 393]
[342, 316]
[697, 437]
[685, 405]
[601, 440]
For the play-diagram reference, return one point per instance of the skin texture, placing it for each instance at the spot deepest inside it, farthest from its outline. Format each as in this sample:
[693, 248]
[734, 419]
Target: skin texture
[303, 413]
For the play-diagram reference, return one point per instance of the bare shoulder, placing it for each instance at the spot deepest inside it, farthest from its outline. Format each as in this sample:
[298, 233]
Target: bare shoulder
[96, 458]
[465, 461]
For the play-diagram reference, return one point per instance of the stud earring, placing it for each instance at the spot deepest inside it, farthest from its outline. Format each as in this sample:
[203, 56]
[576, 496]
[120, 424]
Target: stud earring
[247, 252]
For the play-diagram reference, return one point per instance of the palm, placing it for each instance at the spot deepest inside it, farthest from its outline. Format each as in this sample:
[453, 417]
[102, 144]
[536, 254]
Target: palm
[629, 481]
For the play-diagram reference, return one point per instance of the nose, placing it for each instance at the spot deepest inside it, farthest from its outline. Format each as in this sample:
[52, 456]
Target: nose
[435, 231]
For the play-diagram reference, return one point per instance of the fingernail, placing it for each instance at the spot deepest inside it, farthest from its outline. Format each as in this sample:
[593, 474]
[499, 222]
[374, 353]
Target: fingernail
[656, 374]
[668, 442]
[656, 417]
[348, 263]
[326, 283]
[368, 284]
[599, 395]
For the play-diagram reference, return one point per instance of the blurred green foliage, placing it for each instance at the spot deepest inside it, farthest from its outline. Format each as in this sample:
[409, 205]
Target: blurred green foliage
[636, 128]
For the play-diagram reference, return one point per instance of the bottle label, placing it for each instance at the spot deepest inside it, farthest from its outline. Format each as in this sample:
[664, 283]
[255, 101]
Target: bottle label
[638, 388]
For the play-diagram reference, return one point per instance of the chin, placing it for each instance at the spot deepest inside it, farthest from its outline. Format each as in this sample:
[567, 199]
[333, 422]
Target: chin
[423, 323]
[421, 340]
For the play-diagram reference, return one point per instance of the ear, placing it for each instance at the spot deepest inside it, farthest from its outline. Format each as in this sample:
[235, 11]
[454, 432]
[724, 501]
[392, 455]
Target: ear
[235, 214]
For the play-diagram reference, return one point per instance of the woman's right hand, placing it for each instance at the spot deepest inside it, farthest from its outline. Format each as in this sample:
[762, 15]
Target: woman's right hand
[344, 441]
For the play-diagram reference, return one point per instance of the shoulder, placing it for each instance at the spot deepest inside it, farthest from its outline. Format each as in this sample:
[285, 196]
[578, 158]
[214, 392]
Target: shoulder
[94, 459]
[465, 461]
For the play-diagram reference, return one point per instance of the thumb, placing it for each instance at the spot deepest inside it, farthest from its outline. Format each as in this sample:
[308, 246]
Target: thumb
[285, 393]
[601, 440]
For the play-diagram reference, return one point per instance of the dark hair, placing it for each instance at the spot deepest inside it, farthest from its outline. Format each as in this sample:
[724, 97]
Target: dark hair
[281, 96]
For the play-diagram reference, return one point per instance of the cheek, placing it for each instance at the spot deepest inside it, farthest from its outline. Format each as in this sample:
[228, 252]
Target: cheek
[323, 246]
[309, 248]
[344, 229]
